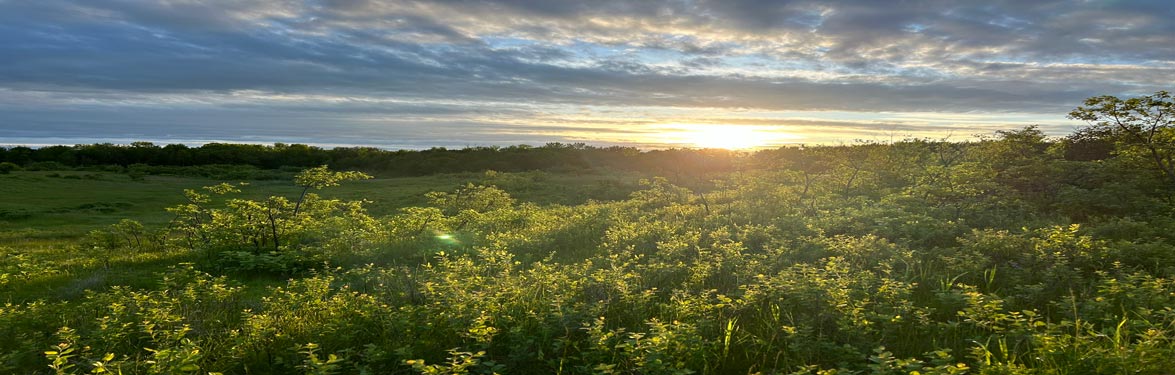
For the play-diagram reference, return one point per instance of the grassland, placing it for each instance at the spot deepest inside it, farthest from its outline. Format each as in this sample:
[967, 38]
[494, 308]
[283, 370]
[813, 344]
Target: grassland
[56, 205]
[1003, 258]
[44, 215]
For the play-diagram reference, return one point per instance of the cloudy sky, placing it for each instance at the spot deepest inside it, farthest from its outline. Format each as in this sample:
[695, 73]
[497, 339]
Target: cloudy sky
[412, 74]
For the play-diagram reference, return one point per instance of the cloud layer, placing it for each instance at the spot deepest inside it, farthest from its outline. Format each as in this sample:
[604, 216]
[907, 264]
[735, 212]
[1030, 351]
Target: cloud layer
[466, 72]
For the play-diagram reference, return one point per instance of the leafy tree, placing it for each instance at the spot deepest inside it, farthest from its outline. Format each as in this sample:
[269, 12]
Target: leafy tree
[1087, 144]
[322, 177]
[1142, 126]
[275, 234]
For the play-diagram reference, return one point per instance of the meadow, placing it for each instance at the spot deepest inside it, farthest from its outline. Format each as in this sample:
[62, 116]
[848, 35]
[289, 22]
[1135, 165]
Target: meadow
[46, 213]
[1015, 254]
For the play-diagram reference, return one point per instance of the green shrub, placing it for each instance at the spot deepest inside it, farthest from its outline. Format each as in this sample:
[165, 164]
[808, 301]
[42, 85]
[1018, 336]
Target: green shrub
[7, 167]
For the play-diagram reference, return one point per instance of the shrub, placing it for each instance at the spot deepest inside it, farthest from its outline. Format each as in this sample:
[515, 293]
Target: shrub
[7, 167]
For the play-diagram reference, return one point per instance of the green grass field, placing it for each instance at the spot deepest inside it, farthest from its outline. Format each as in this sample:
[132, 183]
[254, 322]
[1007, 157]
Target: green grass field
[43, 215]
[40, 206]
[997, 265]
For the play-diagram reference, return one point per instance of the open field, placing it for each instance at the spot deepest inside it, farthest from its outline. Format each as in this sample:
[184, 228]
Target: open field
[999, 256]
[66, 204]
[44, 216]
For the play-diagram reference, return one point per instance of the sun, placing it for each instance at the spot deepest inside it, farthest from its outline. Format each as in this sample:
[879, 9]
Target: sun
[728, 137]
[722, 137]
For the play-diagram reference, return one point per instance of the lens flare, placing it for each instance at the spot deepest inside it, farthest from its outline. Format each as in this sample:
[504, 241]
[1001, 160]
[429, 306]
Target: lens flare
[446, 238]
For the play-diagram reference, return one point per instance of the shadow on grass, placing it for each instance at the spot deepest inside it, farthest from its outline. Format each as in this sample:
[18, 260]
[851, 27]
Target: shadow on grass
[133, 271]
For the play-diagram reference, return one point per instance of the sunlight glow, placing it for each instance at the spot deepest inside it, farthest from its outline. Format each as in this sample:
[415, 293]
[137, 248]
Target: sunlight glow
[730, 137]
[447, 238]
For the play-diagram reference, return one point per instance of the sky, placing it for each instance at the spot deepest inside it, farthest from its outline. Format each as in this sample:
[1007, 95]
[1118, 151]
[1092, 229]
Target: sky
[646, 73]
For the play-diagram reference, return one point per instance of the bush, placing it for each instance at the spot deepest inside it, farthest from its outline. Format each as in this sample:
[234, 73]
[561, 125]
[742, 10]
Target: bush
[7, 167]
[275, 235]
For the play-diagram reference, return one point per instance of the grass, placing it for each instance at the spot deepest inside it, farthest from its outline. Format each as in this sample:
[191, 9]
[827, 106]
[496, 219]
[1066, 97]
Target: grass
[43, 215]
[38, 207]
[764, 275]
[45, 207]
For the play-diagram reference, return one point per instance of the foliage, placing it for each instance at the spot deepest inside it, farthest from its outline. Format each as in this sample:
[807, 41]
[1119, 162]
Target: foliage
[8, 167]
[927, 257]
[268, 162]
[1143, 126]
[273, 235]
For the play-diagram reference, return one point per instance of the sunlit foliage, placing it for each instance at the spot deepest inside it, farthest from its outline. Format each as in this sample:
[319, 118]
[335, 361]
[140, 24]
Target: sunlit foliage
[996, 256]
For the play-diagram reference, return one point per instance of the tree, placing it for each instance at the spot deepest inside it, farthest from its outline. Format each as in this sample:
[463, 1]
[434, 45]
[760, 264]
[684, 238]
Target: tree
[274, 234]
[1143, 126]
[320, 177]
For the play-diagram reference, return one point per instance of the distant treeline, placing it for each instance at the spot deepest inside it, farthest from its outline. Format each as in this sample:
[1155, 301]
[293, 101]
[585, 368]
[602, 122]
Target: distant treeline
[550, 157]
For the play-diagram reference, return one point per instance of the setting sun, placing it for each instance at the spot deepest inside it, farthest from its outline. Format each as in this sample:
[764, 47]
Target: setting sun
[722, 136]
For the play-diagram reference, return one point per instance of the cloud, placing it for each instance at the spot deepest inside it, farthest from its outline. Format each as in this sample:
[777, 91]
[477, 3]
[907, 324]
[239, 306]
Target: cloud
[518, 58]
